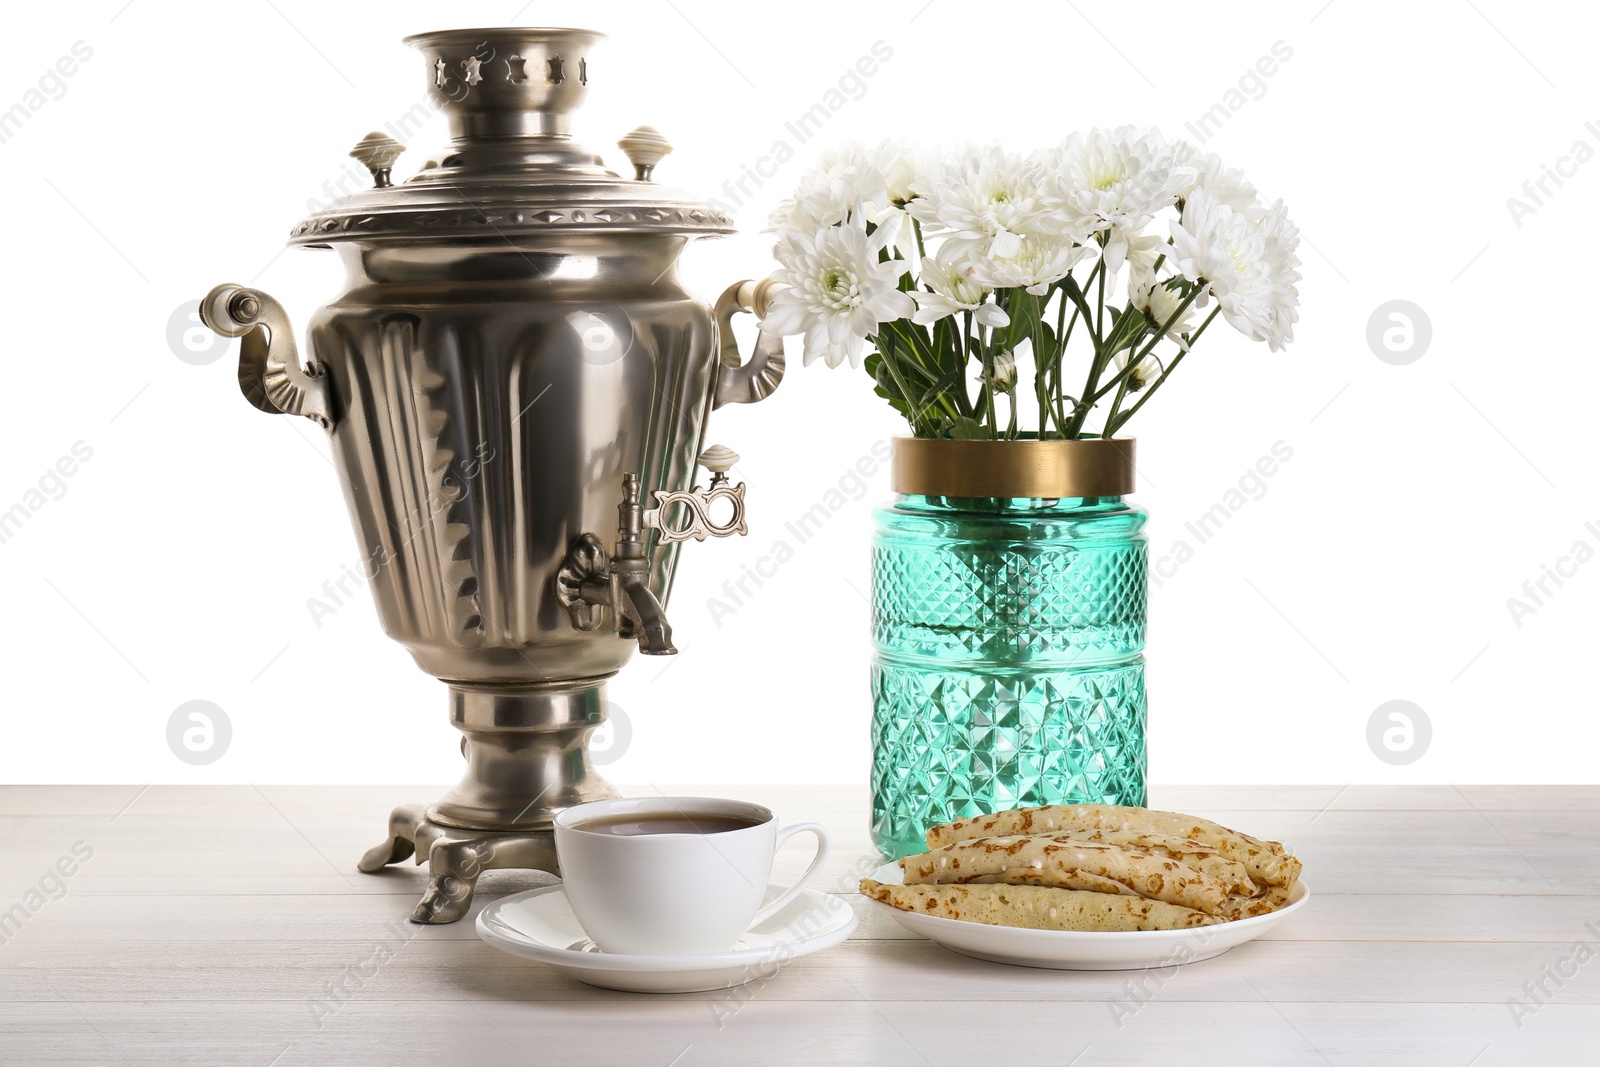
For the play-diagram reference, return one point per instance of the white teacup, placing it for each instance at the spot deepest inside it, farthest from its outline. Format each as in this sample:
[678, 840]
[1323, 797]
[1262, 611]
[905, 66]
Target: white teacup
[673, 875]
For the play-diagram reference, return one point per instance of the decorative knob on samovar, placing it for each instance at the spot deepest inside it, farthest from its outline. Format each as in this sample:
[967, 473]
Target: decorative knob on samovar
[377, 152]
[645, 148]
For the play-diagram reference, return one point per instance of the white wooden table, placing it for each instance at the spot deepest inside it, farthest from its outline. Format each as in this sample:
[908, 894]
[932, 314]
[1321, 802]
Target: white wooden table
[228, 925]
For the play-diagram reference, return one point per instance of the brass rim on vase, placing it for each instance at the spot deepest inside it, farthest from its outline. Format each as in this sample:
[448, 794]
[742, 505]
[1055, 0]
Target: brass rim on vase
[1012, 469]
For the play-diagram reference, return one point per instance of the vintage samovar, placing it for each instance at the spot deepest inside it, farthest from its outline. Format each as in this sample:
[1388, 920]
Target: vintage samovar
[516, 389]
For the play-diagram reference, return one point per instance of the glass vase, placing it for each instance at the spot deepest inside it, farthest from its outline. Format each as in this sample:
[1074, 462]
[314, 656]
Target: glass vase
[1008, 668]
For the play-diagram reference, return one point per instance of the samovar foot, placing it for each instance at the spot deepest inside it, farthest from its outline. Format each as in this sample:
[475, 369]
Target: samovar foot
[402, 839]
[455, 858]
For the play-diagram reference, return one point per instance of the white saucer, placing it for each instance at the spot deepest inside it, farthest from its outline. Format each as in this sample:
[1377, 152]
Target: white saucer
[1083, 950]
[539, 924]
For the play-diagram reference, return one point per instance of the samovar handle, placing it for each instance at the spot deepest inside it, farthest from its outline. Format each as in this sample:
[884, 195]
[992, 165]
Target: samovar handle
[739, 382]
[270, 375]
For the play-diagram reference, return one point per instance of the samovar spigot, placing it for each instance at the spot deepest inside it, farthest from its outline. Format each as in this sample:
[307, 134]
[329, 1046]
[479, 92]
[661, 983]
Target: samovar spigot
[591, 581]
[639, 614]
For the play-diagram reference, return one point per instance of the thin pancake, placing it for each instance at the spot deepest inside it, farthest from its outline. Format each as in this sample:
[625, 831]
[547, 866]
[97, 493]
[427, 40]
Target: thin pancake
[1265, 861]
[1064, 862]
[1036, 907]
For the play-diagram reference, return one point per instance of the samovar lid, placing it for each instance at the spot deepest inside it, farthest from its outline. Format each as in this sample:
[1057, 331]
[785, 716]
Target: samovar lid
[511, 167]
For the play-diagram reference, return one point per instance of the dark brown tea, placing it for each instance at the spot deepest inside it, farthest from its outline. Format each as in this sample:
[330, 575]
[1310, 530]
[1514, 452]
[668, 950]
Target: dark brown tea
[667, 822]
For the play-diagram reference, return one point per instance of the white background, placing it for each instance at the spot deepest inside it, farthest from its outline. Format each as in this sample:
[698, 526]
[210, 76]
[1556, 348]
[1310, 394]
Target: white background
[1376, 564]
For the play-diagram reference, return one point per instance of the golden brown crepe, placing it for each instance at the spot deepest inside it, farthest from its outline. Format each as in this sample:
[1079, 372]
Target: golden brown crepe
[1270, 899]
[1036, 907]
[1265, 861]
[1061, 861]
[1203, 858]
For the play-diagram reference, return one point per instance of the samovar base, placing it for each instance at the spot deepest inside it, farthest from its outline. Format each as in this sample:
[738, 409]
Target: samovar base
[527, 760]
[455, 858]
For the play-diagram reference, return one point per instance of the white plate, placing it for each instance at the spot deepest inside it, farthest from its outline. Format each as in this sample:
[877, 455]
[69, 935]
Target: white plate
[539, 925]
[1074, 950]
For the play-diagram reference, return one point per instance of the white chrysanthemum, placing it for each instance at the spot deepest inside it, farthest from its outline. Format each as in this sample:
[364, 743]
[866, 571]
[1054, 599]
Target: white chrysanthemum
[986, 200]
[1160, 303]
[1005, 372]
[1147, 371]
[847, 180]
[1145, 251]
[1038, 261]
[1112, 183]
[838, 290]
[1283, 244]
[908, 170]
[1224, 184]
[953, 291]
[1248, 263]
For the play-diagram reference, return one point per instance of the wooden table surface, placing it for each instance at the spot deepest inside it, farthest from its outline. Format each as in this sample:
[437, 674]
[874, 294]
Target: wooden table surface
[214, 925]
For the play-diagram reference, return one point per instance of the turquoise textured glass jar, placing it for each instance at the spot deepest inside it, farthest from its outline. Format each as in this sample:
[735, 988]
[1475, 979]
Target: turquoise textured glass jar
[1009, 634]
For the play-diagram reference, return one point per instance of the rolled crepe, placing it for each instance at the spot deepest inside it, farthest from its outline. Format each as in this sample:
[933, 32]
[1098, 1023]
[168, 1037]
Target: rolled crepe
[1234, 875]
[1060, 861]
[1266, 861]
[1036, 907]
[1269, 900]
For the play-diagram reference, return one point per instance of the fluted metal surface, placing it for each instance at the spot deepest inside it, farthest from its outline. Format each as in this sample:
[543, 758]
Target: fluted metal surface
[482, 430]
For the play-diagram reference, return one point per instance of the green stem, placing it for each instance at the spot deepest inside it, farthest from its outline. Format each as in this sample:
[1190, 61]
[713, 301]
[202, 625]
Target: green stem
[946, 341]
[1122, 391]
[888, 353]
[986, 355]
[1122, 375]
[1165, 374]
[928, 370]
[1100, 305]
[1061, 362]
[1194, 295]
[1080, 413]
[1057, 358]
[1041, 391]
[985, 403]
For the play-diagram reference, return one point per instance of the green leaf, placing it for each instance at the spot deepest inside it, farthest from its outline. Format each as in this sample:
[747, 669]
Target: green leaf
[945, 384]
[1129, 325]
[965, 429]
[1044, 339]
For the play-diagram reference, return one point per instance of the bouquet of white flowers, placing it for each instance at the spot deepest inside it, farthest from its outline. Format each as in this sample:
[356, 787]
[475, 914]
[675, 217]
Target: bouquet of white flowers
[956, 269]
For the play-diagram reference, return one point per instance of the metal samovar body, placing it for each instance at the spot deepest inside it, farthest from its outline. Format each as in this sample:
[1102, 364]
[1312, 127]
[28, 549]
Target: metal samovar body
[516, 389]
